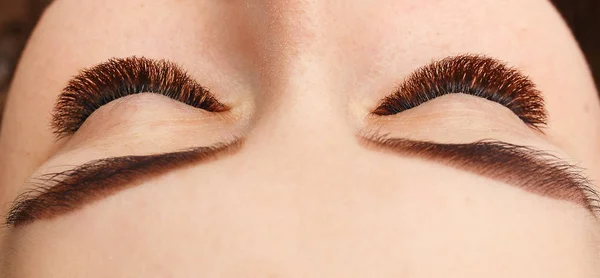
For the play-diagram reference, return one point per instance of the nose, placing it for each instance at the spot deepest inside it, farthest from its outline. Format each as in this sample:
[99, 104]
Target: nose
[302, 130]
[305, 121]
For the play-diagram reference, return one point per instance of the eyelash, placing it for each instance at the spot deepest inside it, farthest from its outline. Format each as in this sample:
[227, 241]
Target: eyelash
[117, 78]
[475, 75]
[469, 74]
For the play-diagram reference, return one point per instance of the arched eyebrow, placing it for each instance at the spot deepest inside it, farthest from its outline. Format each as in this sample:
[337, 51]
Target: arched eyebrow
[56, 194]
[530, 169]
[525, 167]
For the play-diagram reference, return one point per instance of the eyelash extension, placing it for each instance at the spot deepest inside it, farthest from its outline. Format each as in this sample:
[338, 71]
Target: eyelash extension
[59, 193]
[117, 78]
[514, 164]
[474, 75]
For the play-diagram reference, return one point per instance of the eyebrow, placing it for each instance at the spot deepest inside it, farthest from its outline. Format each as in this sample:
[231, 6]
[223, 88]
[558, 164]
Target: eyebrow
[528, 168]
[56, 194]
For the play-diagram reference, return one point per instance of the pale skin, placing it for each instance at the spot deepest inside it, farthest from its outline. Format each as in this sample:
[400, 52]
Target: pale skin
[302, 197]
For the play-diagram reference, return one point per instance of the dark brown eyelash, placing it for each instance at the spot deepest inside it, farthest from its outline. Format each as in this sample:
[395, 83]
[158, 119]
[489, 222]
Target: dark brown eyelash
[474, 75]
[117, 78]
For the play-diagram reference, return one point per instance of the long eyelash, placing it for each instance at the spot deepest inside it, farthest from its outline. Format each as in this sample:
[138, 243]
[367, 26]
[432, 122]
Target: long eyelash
[474, 75]
[59, 193]
[117, 78]
[561, 178]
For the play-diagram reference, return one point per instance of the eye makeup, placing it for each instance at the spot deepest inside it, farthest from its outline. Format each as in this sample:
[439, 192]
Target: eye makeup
[530, 169]
[533, 170]
[474, 75]
[117, 78]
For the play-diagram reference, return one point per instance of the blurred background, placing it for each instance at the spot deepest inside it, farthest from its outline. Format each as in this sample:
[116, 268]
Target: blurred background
[18, 17]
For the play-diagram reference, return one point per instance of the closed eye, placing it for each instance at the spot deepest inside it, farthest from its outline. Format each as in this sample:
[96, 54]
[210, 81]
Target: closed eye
[117, 78]
[474, 75]
[528, 168]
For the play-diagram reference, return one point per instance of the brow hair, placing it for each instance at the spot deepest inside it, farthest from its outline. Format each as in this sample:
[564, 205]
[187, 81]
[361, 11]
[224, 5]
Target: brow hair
[530, 169]
[55, 194]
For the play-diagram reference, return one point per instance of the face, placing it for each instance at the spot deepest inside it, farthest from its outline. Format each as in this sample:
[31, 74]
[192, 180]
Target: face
[300, 139]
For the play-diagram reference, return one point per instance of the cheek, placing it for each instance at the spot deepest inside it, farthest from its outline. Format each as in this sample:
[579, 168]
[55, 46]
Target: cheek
[202, 221]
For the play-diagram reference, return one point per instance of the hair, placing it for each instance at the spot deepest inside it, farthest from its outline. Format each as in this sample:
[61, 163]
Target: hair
[582, 16]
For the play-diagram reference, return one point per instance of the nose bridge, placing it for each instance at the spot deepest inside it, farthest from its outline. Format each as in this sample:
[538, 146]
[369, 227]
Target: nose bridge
[303, 125]
[306, 113]
[301, 111]
[279, 31]
[303, 98]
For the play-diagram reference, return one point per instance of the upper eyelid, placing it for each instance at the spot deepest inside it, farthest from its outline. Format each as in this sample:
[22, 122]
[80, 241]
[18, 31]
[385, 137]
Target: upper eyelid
[117, 78]
[474, 75]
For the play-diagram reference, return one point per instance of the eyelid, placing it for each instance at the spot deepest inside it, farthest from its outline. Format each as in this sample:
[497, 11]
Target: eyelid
[475, 75]
[117, 78]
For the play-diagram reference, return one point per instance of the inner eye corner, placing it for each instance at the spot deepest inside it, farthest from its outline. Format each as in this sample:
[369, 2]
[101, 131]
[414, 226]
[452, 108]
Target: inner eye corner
[380, 110]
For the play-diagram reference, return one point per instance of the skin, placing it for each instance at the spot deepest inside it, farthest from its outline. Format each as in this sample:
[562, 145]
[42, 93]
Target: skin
[302, 197]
